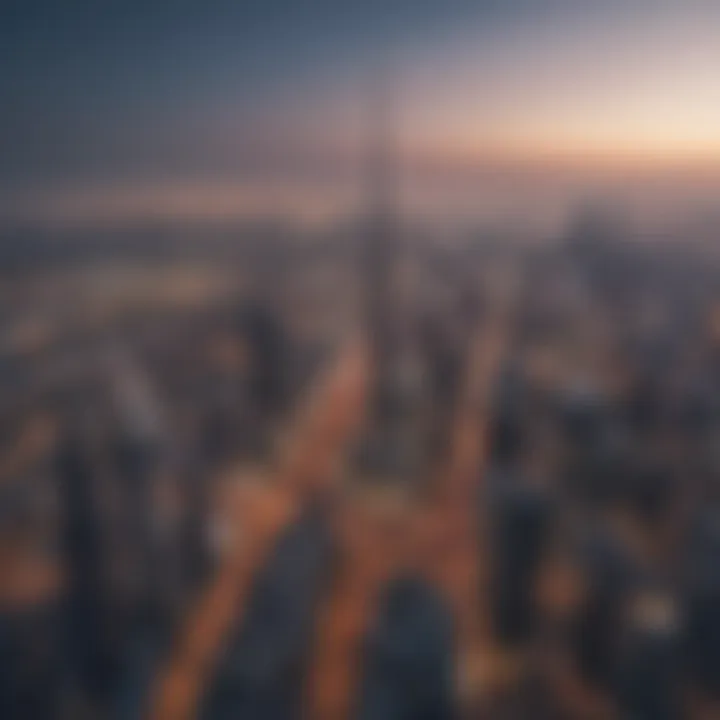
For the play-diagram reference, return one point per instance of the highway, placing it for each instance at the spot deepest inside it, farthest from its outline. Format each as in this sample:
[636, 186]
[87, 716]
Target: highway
[259, 510]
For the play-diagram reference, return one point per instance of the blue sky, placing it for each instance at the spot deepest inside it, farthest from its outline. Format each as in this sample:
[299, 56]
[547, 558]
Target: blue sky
[105, 97]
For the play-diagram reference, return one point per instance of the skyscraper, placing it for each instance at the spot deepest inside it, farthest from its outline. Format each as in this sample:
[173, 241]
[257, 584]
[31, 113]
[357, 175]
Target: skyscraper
[381, 245]
[382, 453]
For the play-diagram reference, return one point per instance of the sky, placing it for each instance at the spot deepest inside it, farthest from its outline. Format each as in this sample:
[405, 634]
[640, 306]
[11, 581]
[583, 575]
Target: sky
[116, 110]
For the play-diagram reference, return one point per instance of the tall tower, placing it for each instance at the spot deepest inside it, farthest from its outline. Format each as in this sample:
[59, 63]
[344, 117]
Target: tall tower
[381, 245]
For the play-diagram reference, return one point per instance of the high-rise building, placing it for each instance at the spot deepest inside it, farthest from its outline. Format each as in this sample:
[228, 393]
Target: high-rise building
[93, 653]
[381, 247]
[386, 449]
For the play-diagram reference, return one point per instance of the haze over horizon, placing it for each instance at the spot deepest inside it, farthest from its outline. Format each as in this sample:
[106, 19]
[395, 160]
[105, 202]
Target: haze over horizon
[115, 111]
